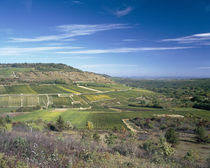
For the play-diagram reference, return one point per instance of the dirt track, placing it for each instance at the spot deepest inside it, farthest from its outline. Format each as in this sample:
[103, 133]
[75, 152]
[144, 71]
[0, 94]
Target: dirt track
[125, 121]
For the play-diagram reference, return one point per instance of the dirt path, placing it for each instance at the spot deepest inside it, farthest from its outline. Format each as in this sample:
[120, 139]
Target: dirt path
[169, 115]
[126, 122]
[130, 127]
[98, 91]
[60, 110]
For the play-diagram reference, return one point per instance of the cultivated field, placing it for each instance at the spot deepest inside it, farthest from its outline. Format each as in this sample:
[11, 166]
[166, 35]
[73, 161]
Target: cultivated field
[105, 118]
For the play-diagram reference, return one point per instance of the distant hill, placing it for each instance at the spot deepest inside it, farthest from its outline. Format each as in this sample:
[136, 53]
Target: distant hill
[41, 67]
[46, 73]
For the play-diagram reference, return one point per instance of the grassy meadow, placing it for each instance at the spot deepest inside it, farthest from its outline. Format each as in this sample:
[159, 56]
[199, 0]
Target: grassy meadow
[105, 118]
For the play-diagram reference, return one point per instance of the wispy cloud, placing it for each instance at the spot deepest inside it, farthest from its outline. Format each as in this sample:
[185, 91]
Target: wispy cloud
[129, 40]
[78, 57]
[126, 11]
[122, 50]
[204, 68]
[11, 51]
[107, 65]
[78, 2]
[72, 30]
[201, 38]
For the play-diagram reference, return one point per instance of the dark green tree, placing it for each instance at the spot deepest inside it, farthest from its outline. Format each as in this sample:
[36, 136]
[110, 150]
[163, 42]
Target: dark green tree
[171, 136]
[60, 123]
[8, 119]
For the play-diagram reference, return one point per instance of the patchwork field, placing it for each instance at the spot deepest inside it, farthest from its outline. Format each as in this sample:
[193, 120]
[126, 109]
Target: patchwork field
[46, 89]
[62, 95]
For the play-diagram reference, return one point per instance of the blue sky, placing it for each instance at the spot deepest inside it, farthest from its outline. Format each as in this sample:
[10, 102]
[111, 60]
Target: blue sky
[114, 37]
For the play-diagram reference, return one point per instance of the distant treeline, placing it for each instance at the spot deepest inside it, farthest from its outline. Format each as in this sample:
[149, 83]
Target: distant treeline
[194, 92]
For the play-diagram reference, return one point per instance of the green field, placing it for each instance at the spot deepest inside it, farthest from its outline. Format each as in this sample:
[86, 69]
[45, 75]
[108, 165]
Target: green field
[42, 89]
[105, 118]
[8, 72]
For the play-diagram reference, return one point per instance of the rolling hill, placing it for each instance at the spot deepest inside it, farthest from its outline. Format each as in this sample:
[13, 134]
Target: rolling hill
[46, 73]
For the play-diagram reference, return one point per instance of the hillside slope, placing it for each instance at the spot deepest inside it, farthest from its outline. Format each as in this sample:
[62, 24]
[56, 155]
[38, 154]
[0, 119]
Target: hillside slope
[46, 73]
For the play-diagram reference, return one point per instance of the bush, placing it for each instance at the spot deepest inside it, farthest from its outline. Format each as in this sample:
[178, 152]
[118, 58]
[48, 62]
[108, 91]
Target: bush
[52, 127]
[166, 148]
[149, 147]
[60, 123]
[8, 119]
[96, 137]
[158, 151]
[115, 129]
[191, 156]
[8, 127]
[110, 139]
[89, 125]
[20, 143]
[163, 126]
[2, 121]
[68, 125]
[171, 136]
[8, 162]
[208, 161]
[27, 109]
[201, 133]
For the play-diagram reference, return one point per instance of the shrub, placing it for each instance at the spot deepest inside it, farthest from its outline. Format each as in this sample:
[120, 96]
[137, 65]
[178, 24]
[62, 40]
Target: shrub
[208, 161]
[11, 161]
[52, 127]
[2, 121]
[86, 155]
[115, 129]
[158, 151]
[8, 127]
[166, 148]
[149, 146]
[89, 125]
[128, 164]
[69, 125]
[191, 156]
[202, 136]
[110, 139]
[20, 143]
[60, 123]
[27, 109]
[96, 137]
[163, 126]
[8, 119]
[171, 136]
[129, 147]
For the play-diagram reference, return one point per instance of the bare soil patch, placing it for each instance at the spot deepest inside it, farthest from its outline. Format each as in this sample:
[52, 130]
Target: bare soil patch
[60, 110]
[169, 115]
